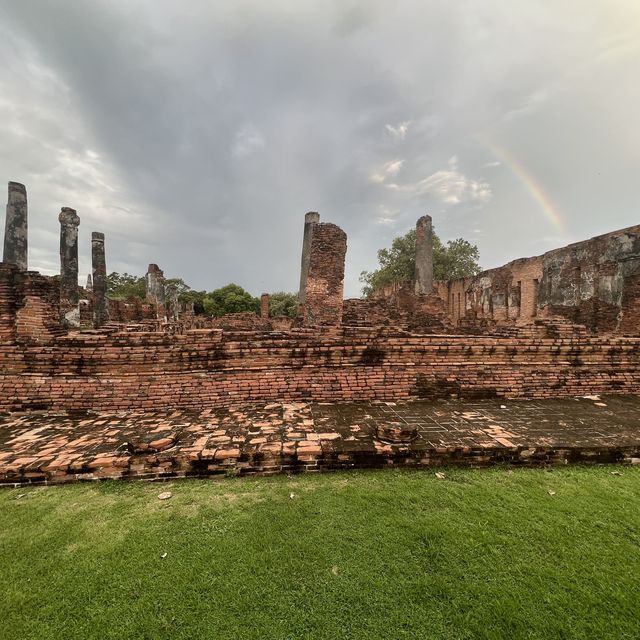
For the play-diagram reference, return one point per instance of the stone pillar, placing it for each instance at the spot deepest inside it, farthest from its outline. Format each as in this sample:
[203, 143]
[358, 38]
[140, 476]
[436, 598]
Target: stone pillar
[15, 230]
[172, 304]
[264, 306]
[310, 220]
[89, 286]
[154, 281]
[424, 256]
[99, 268]
[325, 278]
[69, 296]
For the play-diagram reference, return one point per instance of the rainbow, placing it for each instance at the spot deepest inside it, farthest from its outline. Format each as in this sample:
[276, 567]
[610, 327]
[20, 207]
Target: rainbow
[531, 184]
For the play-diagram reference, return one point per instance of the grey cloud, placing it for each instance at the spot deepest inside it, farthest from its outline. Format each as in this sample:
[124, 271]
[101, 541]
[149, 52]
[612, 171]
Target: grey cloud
[215, 127]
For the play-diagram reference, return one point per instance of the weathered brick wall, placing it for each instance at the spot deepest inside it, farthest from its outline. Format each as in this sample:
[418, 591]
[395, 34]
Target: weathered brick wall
[591, 283]
[398, 306]
[324, 285]
[37, 315]
[29, 306]
[587, 282]
[86, 312]
[134, 310]
[281, 323]
[8, 301]
[507, 294]
[218, 368]
[243, 321]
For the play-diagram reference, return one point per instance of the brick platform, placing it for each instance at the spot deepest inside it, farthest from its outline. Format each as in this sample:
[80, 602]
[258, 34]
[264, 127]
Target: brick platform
[270, 438]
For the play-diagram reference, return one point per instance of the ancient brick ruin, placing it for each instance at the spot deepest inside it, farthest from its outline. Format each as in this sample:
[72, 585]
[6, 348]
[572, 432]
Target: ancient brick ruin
[592, 285]
[563, 324]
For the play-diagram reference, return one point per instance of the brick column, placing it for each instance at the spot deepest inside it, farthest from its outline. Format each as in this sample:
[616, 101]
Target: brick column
[172, 304]
[310, 220]
[264, 306]
[69, 296]
[324, 284]
[99, 268]
[424, 256]
[154, 281]
[15, 230]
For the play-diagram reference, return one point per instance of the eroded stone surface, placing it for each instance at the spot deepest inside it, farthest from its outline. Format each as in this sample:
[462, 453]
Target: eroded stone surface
[16, 227]
[69, 293]
[424, 256]
[288, 437]
[99, 268]
[310, 219]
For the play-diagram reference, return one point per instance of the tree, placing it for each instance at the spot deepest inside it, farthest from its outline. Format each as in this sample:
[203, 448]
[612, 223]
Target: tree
[283, 304]
[231, 298]
[196, 297]
[122, 286]
[179, 285]
[457, 259]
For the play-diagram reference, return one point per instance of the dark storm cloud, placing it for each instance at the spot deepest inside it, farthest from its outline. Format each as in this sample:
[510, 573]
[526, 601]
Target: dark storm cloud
[198, 135]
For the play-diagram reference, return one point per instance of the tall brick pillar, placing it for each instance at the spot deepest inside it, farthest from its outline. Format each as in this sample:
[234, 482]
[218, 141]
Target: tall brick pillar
[310, 220]
[325, 278]
[99, 269]
[69, 296]
[424, 256]
[264, 306]
[154, 281]
[15, 229]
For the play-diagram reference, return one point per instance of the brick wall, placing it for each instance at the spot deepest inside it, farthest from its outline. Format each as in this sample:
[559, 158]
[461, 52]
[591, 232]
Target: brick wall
[398, 306]
[37, 311]
[210, 368]
[134, 310]
[591, 283]
[8, 301]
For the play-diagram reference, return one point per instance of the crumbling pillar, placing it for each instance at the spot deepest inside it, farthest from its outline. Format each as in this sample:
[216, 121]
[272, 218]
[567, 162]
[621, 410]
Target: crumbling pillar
[264, 306]
[15, 230]
[69, 295]
[424, 256]
[172, 303]
[154, 281]
[99, 269]
[325, 277]
[310, 220]
[89, 286]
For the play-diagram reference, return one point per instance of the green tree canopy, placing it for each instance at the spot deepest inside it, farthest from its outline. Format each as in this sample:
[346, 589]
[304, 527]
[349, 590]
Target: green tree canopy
[283, 304]
[457, 259]
[231, 298]
[122, 286]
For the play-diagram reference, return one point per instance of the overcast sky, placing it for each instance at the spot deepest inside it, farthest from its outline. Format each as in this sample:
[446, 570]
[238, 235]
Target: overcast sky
[196, 134]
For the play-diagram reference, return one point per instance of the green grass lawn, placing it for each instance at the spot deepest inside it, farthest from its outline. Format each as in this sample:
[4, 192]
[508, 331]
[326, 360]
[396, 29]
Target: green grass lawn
[394, 554]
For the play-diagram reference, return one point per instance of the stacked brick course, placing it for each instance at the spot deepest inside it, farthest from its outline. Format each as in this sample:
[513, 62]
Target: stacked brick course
[37, 315]
[398, 306]
[8, 301]
[212, 368]
[128, 311]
